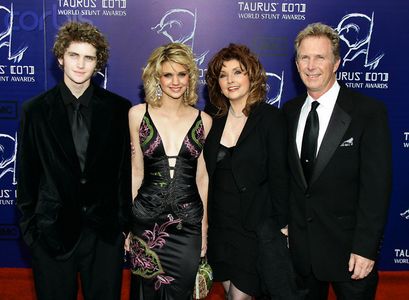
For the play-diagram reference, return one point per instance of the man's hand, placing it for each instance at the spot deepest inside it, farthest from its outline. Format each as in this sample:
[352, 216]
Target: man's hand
[360, 266]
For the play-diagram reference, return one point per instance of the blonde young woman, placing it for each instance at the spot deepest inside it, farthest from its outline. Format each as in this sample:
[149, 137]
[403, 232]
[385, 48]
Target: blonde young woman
[169, 178]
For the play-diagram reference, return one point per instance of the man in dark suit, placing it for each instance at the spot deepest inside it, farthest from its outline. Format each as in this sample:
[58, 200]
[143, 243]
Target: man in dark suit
[340, 160]
[74, 175]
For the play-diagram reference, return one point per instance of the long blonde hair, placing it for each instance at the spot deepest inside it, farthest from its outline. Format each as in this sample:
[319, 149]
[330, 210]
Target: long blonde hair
[173, 52]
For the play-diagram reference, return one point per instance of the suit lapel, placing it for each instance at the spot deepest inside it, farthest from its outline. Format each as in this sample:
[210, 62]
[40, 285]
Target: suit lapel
[213, 139]
[250, 123]
[213, 142]
[294, 157]
[337, 127]
[56, 115]
[99, 132]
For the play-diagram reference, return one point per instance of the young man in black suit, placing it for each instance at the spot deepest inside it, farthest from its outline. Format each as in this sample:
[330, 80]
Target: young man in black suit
[74, 175]
[340, 160]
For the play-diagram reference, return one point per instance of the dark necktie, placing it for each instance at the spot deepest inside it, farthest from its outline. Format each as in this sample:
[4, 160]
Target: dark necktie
[309, 141]
[80, 133]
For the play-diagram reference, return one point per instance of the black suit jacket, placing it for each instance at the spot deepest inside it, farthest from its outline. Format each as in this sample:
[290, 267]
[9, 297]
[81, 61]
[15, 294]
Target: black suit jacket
[55, 197]
[343, 209]
[258, 164]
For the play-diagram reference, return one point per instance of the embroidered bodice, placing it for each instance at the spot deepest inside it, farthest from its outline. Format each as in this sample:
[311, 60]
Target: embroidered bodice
[160, 191]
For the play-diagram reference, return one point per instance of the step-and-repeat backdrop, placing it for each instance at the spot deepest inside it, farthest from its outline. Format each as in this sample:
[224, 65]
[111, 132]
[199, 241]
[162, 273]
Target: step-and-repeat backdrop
[375, 40]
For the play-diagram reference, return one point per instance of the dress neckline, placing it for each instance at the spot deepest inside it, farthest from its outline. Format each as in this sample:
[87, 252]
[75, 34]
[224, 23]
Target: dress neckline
[160, 137]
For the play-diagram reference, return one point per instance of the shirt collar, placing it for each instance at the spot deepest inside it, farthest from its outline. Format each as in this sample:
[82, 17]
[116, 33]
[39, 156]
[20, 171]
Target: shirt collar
[69, 98]
[327, 100]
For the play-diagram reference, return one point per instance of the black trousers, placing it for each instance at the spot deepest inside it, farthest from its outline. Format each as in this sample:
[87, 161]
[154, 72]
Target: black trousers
[98, 263]
[361, 289]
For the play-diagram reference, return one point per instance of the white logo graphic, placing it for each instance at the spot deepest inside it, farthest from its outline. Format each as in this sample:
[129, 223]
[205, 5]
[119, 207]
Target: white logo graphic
[8, 153]
[356, 31]
[6, 34]
[275, 85]
[104, 75]
[406, 140]
[348, 143]
[405, 214]
[179, 25]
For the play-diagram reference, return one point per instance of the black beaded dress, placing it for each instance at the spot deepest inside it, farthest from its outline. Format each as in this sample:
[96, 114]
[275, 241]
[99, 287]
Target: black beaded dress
[167, 215]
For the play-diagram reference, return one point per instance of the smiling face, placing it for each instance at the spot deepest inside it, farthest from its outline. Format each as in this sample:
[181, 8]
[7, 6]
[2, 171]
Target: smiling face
[79, 63]
[317, 65]
[234, 81]
[174, 80]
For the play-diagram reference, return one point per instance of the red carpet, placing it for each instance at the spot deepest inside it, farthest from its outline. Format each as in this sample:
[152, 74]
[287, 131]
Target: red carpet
[17, 284]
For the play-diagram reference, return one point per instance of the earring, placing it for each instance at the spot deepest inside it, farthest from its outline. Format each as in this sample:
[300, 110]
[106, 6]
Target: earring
[158, 91]
[186, 94]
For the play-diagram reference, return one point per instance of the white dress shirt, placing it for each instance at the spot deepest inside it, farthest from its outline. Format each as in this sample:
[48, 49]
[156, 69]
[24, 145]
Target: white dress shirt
[324, 110]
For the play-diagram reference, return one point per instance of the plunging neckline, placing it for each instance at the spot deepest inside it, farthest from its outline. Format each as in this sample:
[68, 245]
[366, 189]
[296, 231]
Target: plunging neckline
[162, 144]
[183, 140]
[238, 138]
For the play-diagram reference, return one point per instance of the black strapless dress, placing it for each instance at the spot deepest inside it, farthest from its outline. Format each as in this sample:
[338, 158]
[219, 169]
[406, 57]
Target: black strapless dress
[167, 215]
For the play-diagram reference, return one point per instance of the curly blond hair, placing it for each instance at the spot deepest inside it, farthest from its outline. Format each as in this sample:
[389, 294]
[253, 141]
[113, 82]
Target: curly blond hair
[85, 33]
[250, 64]
[173, 52]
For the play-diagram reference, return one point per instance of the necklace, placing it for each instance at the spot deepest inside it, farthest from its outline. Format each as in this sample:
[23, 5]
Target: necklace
[231, 111]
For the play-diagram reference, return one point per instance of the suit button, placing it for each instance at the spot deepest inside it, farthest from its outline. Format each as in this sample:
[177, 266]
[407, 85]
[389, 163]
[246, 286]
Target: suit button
[83, 180]
[308, 195]
[84, 209]
[243, 189]
[309, 219]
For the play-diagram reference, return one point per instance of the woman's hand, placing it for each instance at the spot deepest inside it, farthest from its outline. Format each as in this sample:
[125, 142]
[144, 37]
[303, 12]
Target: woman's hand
[127, 244]
[284, 230]
[204, 246]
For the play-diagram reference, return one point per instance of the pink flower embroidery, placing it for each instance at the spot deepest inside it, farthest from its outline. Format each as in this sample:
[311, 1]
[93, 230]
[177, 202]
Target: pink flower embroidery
[192, 150]
[144, 261]
[163, 280]
[152, 146]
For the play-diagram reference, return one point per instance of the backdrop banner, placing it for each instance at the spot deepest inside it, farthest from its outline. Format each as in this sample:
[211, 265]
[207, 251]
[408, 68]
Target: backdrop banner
[373, 37]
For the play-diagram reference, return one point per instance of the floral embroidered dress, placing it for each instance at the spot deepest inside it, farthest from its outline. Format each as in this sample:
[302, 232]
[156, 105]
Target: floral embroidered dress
[167, 214]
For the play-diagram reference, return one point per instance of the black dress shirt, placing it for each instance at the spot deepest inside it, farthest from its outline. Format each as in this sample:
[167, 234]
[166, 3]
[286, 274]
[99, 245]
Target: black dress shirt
[85, 100]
